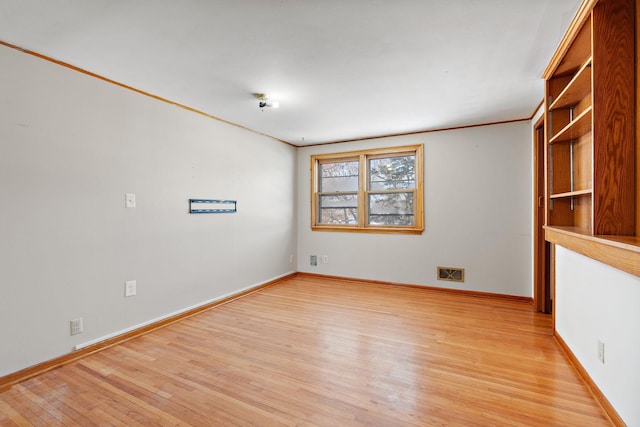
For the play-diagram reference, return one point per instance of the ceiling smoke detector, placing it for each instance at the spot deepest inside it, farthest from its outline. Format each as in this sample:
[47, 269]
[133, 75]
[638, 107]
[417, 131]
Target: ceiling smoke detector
[264, 101]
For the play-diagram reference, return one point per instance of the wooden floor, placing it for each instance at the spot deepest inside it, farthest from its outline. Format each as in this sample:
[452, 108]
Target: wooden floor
[312, 351]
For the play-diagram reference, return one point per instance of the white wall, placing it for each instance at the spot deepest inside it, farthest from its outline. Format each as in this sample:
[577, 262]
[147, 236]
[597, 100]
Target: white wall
[597, 302]
[71, 146]
[478, 215]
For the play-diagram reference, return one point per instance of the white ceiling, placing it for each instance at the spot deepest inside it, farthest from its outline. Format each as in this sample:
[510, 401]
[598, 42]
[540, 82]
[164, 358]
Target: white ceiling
[341, 69]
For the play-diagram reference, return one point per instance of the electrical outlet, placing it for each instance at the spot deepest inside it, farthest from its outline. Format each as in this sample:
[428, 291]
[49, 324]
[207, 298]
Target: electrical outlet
[325, 259]
[600, 351]
[314, 260]
[130, 288]
[291, 258]
[76, 326]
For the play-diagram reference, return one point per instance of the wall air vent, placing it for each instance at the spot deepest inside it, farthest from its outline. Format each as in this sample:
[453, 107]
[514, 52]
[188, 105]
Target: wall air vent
[451, 274]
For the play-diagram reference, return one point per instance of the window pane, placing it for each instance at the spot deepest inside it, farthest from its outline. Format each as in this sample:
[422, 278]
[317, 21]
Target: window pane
[338, 176]
[338, 209]
[391, 209]
[392, 173]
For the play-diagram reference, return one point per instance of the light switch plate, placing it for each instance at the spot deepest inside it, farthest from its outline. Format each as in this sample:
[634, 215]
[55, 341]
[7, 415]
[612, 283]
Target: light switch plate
[130, 288]
[130, 200]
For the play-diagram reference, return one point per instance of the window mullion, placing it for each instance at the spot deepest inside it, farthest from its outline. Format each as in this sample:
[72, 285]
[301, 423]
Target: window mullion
[362, 192]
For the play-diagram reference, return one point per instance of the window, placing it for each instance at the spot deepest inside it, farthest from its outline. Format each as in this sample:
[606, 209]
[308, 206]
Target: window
[378, 191]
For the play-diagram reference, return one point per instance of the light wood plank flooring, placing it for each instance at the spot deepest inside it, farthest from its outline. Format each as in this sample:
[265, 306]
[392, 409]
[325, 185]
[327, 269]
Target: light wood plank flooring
[319, 352]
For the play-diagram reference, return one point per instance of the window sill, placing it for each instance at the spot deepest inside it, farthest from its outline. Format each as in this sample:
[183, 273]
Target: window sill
[621, 252]
[375, 230]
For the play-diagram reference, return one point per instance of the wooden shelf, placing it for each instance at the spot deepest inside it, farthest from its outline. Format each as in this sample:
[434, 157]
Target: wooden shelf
[578, 127]
[576, 89]
[578, 193]
[621, 252]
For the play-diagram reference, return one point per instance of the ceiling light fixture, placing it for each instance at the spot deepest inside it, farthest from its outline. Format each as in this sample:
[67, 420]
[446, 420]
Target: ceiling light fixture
[264, 101]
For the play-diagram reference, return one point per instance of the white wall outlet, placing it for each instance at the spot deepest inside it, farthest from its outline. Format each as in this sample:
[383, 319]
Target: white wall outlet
[130, 288]
[313, 260]
[600, 351]
[130, 200]
[290, 258]
[325, 259]
[76, 326]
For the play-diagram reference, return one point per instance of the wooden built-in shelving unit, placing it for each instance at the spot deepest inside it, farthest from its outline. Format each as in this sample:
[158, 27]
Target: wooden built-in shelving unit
[590, 125]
